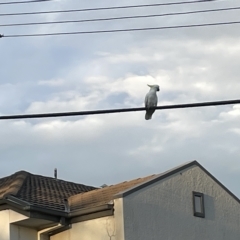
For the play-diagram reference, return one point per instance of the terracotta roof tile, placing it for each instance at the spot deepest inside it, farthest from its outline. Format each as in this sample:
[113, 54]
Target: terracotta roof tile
[40, 190]
[102, 196]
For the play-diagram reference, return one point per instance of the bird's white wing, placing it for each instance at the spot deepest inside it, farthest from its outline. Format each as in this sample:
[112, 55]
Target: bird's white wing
[151, 100]
[147, 101]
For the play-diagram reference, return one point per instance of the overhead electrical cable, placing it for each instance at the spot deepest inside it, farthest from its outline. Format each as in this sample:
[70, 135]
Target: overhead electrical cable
[106, 8]
[31, 1]
[119, 18]
[119, 30]
[94, 112]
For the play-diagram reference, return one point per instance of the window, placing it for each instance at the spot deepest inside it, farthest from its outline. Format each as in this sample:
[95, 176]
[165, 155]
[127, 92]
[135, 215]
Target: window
[198, 204]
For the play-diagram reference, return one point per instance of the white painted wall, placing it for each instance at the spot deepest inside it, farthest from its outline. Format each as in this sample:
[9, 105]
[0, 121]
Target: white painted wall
[96, 229]
[164, 210]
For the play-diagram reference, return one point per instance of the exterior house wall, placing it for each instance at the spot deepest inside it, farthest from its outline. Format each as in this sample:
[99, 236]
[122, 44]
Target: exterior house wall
[9, 231]
[22, 233]
[164, 210]
[119, 221]
[95, 229]
[4, 225]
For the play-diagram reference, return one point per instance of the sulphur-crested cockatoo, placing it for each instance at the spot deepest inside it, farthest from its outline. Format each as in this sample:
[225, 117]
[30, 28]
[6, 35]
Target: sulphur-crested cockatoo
[151, 101]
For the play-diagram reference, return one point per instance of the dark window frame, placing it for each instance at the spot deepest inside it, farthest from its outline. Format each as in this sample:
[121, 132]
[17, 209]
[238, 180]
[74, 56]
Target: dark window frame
[196, 213]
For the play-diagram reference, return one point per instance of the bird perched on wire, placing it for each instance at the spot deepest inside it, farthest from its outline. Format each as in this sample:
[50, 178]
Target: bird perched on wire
[151, 101]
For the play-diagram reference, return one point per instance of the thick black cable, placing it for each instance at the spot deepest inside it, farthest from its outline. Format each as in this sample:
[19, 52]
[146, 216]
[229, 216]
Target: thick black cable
[105, 8]
[119, 30]
[94, 112]
[120, 18]
[31, 1]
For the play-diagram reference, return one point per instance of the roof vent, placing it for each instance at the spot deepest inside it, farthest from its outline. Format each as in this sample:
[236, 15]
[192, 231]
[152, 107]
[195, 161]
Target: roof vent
[55, 173]
[66, 205]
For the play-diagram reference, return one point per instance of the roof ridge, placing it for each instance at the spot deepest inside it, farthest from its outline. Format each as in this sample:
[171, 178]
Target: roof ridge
[18, 172]
[57, 179]
[39, 175]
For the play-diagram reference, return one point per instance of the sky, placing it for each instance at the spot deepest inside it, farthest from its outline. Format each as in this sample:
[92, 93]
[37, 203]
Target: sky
[112, 70]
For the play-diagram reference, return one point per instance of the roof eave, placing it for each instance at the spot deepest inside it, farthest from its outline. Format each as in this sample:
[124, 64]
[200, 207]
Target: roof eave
[85, 211]
[27, 207]
[90, 213]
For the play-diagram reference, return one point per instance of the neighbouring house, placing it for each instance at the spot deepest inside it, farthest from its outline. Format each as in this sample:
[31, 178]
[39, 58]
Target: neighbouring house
[185, 203]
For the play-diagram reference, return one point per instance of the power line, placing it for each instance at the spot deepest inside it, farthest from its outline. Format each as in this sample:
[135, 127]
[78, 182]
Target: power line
[120, 18]
[106, 8]
[95, 112]
[119, 30]
[33, 1]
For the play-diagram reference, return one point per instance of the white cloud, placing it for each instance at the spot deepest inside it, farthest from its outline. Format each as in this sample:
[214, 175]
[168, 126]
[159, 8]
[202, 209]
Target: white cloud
[52, 82]
[104, 71]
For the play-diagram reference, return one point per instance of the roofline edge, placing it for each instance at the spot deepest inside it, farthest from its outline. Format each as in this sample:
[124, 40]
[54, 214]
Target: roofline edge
[89, 210]
[21, 206]
[172, 172]
[156, 179]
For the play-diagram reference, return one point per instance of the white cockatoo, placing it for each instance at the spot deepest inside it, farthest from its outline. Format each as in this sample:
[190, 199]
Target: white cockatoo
[151, 101]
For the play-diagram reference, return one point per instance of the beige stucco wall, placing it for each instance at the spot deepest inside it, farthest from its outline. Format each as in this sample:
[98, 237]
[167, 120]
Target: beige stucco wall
[96, 229]
[164, 210]
[22, 233]
[4, 225]
[119, 219]
[10, 231]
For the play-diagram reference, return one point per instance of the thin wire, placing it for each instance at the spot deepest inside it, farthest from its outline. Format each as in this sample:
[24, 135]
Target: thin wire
[106, 8]
[119, 30]
[120, 18]
[33, 1]
[94, 112]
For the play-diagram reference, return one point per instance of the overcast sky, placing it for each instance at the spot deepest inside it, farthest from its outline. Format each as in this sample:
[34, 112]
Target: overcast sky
[112, 70]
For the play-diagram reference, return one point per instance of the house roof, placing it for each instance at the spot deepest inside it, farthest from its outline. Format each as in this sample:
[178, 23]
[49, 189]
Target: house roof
[102, 196]
[105, 195]
[50, 193]
[39, 190]
[172, 172]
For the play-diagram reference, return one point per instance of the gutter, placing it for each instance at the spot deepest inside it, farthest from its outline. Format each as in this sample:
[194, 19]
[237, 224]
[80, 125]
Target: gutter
[5, 201]
[63, 219]
[61, 225]
[86, 211]
[47, 233]
[49, 211]
[25, 206]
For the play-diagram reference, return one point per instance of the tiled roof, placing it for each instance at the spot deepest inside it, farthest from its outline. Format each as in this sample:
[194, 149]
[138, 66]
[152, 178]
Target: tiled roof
[12, 184]
[102, 196]
[40, 190]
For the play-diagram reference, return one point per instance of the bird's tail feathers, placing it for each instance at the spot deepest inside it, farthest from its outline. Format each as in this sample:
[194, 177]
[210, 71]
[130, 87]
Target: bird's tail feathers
[149, 114]
[148, 117]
